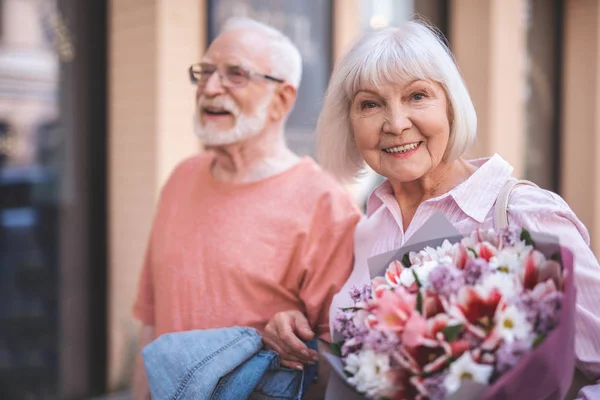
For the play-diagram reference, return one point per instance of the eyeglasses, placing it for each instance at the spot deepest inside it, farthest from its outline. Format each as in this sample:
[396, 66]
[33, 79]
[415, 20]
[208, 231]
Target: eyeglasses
[230, 75]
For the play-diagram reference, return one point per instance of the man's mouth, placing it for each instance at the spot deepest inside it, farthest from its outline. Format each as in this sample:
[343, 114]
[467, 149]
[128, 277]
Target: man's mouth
[215, 111]
[403, 148]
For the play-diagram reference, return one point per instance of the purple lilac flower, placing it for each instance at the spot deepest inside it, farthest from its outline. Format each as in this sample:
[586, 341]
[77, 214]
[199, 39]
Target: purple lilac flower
[360, 293]
[446, 280]
[509, 236]
[352, 345]
[381, 342]
[509, 354]
[529, 306]
[434, 385]
[549, 312]
[475, 270]
[340, 321]
[344, 324]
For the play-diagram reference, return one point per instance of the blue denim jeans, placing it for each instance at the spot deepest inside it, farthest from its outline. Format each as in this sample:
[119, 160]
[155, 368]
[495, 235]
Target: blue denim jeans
[220, 364]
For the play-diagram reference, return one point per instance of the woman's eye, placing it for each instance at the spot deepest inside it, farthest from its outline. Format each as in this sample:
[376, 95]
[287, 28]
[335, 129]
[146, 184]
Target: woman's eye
[418, 96]
[365, 105]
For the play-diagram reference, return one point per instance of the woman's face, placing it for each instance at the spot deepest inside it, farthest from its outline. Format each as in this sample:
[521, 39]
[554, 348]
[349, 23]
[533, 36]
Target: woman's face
[401, 131]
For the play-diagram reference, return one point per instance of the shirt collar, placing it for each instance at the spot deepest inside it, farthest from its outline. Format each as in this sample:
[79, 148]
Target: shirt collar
[375, 199]
[487, 181]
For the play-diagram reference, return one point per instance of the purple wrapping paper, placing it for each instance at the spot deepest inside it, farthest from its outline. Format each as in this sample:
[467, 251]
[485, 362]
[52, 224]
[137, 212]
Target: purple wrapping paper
[547, 372]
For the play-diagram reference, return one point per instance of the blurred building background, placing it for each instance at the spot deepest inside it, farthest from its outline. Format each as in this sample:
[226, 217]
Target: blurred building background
[96, 108]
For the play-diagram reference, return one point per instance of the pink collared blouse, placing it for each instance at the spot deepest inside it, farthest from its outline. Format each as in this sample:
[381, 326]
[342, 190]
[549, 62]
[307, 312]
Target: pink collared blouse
[469, 206]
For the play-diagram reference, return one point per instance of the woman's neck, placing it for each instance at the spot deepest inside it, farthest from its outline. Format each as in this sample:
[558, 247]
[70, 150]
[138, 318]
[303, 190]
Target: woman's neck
[441, 180]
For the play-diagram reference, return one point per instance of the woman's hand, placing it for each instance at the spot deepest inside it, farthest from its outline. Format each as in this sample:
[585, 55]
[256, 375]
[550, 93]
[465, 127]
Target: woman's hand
[285, 333]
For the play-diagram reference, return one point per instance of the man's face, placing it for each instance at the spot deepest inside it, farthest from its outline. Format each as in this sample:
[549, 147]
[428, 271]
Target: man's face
[227, 115]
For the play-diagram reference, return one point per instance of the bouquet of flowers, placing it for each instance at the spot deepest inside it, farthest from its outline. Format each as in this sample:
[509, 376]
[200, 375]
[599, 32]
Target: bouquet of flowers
[458, 320]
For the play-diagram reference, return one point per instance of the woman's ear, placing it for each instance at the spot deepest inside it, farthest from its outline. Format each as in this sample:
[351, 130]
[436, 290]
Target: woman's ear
[283, 101]
[450, 113]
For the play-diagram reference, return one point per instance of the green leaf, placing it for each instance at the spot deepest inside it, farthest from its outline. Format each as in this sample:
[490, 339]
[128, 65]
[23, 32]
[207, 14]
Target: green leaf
[336, 348]
[526, 237]
[353, 309]
[416, 278]
[539, 339]
[472, 250]
[419, 302]
[451, 332]
[406, 261]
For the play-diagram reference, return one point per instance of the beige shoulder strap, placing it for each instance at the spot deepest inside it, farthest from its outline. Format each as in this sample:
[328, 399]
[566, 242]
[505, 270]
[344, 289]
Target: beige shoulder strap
[500, 208]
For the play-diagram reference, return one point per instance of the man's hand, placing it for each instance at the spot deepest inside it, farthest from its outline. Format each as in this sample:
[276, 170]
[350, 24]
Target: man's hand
[284, 334]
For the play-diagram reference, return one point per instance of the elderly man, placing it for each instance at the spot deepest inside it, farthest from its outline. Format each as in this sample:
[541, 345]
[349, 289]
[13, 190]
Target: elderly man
[246, 229]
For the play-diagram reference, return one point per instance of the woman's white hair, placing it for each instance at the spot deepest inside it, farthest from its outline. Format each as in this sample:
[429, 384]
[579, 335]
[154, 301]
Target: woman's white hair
[387, 57]
[286, 61]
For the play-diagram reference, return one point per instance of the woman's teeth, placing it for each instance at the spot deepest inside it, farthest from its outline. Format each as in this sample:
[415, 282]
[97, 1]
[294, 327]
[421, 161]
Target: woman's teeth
[402, 149]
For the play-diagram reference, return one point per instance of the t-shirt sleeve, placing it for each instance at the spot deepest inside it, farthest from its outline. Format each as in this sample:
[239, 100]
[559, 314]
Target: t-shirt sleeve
[328, 258]
[144, 304]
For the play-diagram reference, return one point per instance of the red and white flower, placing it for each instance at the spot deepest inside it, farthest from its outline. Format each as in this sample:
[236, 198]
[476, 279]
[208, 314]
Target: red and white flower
[453, 327]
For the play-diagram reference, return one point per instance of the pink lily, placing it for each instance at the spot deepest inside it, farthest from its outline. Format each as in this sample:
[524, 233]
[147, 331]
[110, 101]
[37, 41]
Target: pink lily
[486, 251]
[392, 274]
[543, 289]
[424, 347]
[460, 257]
[478, 310]
[379, 285]
[394, 308]
[538, 269]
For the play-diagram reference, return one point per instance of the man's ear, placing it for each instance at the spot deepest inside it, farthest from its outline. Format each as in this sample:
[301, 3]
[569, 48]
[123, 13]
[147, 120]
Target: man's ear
[283, 101]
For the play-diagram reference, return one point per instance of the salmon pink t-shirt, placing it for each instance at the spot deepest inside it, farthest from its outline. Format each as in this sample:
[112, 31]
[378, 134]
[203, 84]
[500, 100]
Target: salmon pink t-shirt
[223, 254]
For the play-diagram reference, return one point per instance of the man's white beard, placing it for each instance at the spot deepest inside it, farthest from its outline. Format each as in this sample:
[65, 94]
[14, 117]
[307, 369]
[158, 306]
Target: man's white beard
[246, 126]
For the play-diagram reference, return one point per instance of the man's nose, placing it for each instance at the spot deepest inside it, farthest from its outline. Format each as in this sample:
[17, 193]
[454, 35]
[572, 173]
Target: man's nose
[213, 86]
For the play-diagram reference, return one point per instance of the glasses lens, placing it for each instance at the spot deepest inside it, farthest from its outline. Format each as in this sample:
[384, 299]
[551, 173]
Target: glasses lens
[201, 73]
[236, 76]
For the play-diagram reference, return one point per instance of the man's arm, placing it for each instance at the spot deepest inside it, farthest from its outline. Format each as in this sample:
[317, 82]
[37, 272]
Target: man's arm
[141, 391]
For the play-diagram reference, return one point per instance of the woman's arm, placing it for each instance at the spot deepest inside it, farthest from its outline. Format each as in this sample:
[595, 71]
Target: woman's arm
[543, 211]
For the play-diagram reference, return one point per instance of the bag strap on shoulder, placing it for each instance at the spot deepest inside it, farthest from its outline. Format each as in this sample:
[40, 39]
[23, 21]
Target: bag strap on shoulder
[501, 206]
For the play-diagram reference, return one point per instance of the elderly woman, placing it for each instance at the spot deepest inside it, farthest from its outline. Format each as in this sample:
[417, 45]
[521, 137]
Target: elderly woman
[397, 102]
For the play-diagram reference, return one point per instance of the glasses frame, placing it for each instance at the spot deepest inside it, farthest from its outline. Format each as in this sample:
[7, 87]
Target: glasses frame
[226, 82]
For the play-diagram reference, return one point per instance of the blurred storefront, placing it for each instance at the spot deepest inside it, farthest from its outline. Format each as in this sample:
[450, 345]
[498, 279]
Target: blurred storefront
[96, 108]
[52, 199]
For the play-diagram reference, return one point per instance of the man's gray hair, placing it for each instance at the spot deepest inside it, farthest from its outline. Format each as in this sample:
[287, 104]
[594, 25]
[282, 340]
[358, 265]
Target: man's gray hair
[286, 61]
[387, 57]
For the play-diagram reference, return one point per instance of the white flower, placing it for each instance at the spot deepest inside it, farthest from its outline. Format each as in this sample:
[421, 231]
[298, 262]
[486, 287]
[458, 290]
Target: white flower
[522, 249]
[359, 318]
[512, 324]
[506, 261]
[369, 372]
[507, 284]
[466, 369]
[407, 277]
[510, 259]
[440, 254]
